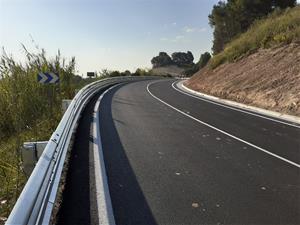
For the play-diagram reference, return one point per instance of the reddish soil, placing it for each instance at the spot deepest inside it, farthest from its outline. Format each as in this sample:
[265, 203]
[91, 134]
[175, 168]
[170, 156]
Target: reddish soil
[269, 78]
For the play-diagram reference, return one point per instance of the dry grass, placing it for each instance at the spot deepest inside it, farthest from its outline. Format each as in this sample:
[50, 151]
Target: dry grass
[281, 27]
[29, 111]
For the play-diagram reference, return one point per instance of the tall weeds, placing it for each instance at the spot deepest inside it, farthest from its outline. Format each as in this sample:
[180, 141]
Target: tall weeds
[28, 111]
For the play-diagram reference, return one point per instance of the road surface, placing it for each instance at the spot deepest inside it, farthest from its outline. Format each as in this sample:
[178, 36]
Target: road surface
[166, 168]
[174, 159]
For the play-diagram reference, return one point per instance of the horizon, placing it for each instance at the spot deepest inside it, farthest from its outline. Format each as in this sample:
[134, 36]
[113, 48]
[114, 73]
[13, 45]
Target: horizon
[104, 34]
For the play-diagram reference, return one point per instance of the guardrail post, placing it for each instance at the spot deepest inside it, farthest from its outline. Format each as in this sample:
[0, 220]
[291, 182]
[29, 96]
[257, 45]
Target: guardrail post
[30, 153]
[65, 104]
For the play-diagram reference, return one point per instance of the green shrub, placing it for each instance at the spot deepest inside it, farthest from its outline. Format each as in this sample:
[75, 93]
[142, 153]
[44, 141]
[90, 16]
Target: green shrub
[29, 111]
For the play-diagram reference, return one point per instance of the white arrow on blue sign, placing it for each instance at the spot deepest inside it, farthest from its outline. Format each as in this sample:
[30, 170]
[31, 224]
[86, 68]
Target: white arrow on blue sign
[48, 78]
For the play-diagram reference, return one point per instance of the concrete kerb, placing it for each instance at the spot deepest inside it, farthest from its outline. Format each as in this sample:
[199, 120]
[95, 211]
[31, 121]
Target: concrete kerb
[294, 120]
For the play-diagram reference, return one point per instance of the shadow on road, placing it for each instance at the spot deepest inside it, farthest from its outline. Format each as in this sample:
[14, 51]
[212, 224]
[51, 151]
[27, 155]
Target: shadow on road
[128, 200]
[78, 204]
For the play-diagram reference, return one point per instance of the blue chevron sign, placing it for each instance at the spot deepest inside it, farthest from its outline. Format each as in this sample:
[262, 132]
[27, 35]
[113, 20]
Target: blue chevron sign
[48, 78]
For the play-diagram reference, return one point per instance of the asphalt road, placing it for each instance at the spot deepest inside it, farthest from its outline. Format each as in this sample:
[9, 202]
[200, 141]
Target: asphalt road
[174, 159]
[79, 205]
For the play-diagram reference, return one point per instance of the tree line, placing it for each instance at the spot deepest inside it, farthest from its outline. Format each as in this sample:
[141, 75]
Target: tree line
[105, 73]
[231, 18]
[180, 59]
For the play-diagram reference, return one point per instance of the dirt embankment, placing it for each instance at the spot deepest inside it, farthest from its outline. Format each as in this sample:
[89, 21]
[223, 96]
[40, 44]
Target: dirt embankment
[168, 70]
[269, 78]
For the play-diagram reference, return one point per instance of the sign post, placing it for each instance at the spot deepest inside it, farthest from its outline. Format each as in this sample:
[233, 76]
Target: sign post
[90, 74]
[48, 78]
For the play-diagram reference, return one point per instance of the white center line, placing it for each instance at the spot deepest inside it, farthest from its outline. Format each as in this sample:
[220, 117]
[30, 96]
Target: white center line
[219, 130]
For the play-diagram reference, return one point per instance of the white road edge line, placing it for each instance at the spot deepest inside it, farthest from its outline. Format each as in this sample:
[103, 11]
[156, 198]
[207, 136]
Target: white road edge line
[103, 199]
[221, 131]
[232, 108]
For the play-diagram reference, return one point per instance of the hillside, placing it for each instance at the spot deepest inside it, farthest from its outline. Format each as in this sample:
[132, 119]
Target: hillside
[260, 68]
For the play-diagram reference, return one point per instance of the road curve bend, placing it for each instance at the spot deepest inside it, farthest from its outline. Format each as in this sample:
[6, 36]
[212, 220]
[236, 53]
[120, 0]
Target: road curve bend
[174, 159]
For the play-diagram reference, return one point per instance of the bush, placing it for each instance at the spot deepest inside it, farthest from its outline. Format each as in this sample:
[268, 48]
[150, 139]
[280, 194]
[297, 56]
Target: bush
[115, 74]
[140, 72]
[126, 73]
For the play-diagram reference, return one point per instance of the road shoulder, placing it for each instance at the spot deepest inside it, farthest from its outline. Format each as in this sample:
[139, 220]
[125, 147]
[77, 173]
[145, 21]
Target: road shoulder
[280, 116]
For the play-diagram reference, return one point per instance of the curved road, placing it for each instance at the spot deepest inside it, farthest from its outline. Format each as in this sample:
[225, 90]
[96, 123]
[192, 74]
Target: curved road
[175, 159]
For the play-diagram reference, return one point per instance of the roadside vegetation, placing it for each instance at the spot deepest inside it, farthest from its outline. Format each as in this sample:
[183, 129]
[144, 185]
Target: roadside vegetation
[231, 18]
[243, 27]
[180, 59]
[280, 27]
[255, 55]
[29, 111]
[204, 59]
[240, 27]
[179, 63]
[105, 73]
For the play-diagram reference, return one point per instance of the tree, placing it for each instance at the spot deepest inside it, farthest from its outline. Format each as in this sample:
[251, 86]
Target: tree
[285, 3]
[126, 73]
[182, 58]
[115, 74]
[233, 17]
[163, 59]
[104, 73]
[224, 24]
[190, 57]
[204, 59]
[140, 72]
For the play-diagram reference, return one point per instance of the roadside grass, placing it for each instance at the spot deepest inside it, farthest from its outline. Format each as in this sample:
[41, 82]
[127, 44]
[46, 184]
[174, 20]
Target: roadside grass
[29, 111]
[280, 27]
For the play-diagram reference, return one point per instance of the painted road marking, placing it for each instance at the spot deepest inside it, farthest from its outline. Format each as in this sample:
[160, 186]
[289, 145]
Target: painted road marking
[103, 199]
[232, 108]
[219, 130]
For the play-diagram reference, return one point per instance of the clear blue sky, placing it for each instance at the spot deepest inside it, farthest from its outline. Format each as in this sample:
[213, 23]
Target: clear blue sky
[112, 34]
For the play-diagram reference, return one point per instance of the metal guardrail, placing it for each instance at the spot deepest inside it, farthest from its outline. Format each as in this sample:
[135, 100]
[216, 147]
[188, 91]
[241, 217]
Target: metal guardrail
[36, 202]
